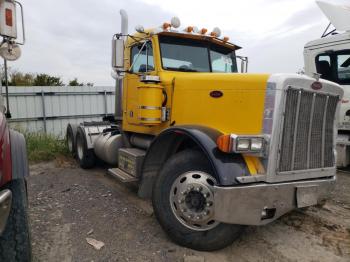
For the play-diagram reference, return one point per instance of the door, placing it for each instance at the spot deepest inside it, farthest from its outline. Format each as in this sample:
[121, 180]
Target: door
[142, 62]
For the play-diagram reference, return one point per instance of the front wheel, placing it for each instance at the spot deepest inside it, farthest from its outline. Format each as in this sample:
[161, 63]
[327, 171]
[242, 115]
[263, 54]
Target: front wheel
[15, 240]
[184, 205]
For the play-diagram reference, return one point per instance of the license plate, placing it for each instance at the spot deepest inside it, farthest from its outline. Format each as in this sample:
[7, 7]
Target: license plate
[306, 196]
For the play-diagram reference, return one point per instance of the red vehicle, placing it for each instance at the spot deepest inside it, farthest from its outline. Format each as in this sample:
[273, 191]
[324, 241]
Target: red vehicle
[14, 229]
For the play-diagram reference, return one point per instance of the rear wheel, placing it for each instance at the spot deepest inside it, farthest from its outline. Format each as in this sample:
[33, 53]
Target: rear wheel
[70, 135]
[184, 204]
[86, 157]
[15, 240]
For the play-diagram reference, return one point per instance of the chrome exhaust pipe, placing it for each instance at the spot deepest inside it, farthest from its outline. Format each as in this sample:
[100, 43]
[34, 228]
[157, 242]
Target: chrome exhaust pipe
[118, 114]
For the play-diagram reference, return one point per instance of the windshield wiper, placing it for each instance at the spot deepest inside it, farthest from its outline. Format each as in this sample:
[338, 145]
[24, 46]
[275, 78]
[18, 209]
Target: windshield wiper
[181, 69]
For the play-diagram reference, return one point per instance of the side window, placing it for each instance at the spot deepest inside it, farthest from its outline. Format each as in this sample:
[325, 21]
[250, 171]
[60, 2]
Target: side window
[220, 63]
[323, 67]
[343, 67]
[142, 61]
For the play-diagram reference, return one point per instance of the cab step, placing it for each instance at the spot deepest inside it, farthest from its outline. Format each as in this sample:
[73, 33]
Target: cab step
[121, 175]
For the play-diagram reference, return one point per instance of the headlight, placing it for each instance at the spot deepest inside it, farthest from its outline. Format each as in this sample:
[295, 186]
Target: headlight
[242, 144]
[257, 144]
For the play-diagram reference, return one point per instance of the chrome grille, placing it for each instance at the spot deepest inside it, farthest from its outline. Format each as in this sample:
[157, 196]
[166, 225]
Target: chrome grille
[307, 135]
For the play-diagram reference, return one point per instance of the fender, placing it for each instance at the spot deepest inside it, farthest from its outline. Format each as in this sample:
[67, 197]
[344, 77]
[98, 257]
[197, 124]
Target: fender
[20, 168]
[226, 167]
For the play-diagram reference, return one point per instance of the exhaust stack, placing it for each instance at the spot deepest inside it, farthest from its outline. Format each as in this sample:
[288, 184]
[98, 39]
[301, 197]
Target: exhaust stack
[118, 113]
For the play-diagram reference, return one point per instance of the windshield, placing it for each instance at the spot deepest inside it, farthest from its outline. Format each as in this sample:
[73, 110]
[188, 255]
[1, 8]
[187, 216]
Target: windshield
[188, 55]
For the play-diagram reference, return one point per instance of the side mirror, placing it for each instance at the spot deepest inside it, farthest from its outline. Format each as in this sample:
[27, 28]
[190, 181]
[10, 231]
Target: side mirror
[244, 63]
[118, 54]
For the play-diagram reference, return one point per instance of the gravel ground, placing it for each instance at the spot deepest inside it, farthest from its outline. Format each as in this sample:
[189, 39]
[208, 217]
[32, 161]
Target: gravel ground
[68, 205]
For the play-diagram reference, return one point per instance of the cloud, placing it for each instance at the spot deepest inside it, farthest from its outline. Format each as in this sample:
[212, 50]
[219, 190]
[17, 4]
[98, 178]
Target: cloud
[72, 38]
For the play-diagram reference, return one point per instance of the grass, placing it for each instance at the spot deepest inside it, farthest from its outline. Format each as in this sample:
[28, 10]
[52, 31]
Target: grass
[42, 147]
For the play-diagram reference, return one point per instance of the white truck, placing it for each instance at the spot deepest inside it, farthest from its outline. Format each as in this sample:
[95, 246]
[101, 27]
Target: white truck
[329, 57]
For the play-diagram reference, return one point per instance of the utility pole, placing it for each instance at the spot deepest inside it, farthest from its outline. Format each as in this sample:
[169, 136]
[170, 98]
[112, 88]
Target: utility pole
[8, 112]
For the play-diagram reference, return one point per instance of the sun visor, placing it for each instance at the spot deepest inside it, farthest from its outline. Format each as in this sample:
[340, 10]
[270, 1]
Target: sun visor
[338, 15]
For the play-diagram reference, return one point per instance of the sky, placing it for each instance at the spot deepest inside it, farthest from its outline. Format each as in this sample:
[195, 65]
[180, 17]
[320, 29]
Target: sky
[73, 38]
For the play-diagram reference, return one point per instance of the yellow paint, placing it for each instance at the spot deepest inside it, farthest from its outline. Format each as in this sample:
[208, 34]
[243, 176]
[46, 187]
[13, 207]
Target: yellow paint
[239, 110]
[150, 99]
[254, 165]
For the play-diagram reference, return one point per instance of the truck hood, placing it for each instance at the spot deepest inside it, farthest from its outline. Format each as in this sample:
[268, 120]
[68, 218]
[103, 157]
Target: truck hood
[230, 103]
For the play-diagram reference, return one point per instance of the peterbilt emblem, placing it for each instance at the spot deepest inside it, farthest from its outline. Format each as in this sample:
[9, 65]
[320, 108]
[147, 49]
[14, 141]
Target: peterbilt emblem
[316, 85]
[216, 94]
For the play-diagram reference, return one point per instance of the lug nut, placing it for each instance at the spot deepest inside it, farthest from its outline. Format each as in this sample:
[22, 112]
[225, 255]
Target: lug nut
[184, 192]
[206, 212]
[180, 201]
[183, 210]
[209, 204]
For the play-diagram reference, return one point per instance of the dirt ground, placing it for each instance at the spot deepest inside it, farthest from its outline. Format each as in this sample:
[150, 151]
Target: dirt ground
[68, 204]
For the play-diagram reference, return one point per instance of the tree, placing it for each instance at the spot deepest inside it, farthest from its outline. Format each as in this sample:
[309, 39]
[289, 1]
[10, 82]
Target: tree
[47, 80]
[19, 79]
[75, 82]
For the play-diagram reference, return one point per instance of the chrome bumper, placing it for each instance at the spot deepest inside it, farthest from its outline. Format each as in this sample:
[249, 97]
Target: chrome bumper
[5, 207]
[261, 204]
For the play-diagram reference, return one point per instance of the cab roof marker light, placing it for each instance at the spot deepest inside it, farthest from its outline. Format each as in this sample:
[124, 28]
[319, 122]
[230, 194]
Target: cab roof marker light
[188, 29]
[216, 32]
[175, 22]
[166, 26]
[225, 39]
[203, 31]
[195, 30]
[139, 29]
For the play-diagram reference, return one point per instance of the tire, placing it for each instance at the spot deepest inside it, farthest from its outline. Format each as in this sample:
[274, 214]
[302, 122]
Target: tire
[207, 239]
[15, 240]
[70, 138]
[85, 157]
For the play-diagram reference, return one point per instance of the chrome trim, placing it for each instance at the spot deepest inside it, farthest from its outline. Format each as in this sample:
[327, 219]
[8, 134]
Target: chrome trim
[149, 119]
[324, 130]
[150, 107]
[296, 129]
[244, 204]
[5, 208]
[251, 179]
[310, 128]
[310, 171]
[282, 83]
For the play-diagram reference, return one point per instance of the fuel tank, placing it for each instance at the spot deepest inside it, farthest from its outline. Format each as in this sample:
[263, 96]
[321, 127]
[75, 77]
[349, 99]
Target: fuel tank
[106, 147]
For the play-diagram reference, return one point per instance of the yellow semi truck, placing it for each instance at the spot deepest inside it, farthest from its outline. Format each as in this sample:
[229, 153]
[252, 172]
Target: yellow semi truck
[213, 148]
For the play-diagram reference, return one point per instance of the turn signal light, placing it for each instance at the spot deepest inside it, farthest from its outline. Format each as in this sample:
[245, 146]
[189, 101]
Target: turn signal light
[8, 17]
[224, 143]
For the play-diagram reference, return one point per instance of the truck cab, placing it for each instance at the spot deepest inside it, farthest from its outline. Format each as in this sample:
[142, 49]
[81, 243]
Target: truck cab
[213, 148]
[329, 57]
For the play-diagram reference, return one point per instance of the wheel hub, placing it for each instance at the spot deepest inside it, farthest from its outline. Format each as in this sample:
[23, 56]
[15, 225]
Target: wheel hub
[192, 200]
